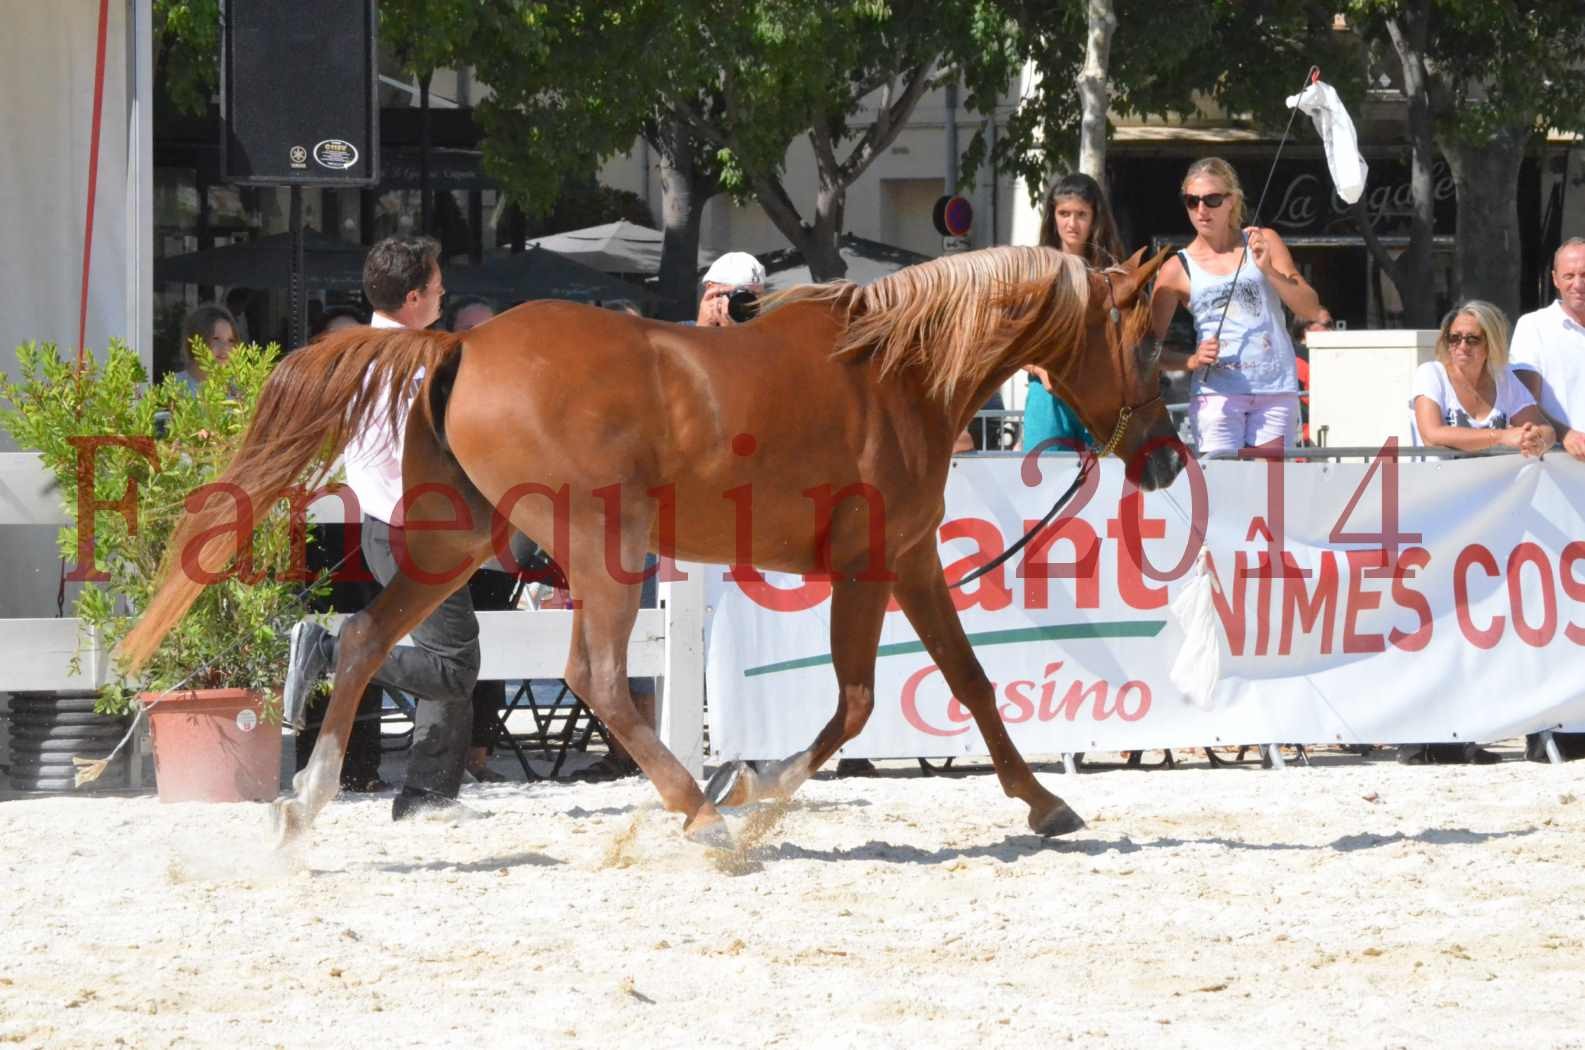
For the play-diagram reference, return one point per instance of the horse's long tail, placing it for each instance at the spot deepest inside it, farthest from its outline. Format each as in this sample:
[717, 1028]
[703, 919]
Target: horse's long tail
[311, 406]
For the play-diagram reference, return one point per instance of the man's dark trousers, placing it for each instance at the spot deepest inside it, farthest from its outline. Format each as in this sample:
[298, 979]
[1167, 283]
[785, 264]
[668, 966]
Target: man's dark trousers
[439, 668]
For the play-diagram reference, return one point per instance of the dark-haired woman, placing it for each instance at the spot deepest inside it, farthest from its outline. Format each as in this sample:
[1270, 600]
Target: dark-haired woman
[214, 325]
[1077, 220]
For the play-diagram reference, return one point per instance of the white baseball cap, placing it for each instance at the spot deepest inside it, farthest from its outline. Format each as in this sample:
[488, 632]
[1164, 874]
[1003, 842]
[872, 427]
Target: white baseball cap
[735, 270]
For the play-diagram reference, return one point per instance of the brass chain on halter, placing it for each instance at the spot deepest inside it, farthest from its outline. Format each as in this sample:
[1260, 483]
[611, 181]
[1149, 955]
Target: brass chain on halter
[1123, 416]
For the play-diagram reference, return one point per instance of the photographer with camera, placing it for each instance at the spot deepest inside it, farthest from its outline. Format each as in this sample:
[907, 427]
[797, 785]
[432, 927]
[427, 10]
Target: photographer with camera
[732, 287]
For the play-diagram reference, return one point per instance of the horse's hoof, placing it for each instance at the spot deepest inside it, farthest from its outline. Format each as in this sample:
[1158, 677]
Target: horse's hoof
[1058, 820]
[712, 833]
[287, 821]
[732, 785]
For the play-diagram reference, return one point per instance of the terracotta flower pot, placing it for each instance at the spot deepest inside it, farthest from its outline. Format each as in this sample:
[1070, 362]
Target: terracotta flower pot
[213, 745]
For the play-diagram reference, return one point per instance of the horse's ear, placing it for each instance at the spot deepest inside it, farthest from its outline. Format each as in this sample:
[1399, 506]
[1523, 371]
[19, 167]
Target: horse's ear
[1138, 275]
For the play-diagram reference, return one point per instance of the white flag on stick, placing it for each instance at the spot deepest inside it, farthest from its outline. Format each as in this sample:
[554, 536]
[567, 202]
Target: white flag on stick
[1336, 129]
[1198, 666]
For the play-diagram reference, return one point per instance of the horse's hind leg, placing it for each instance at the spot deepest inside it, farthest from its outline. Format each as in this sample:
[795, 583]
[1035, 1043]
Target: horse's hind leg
[597, 671]
[921, 590]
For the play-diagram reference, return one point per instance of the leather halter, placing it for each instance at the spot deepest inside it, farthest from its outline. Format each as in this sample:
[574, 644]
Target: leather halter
[1126, 413]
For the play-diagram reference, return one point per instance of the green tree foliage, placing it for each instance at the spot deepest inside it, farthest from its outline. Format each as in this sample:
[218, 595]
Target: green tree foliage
[187, 51]
[1167, 57]
[235, 635]
[572, 84]
[562, 95]
[426, 35]
[1487, 79]
[1494, 65]
[847, 76]
[726, 87]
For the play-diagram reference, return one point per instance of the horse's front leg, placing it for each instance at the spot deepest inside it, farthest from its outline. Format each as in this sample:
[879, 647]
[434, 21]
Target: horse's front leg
[858, 609]
[922, 592]
[597, 671]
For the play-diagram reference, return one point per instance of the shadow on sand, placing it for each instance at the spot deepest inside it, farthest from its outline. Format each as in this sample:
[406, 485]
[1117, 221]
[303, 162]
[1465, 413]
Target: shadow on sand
[1019, 846]
[798, 805]
[513, 860]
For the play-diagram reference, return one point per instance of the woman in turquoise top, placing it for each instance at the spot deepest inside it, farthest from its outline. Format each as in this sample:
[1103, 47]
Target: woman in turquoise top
[1077, 220]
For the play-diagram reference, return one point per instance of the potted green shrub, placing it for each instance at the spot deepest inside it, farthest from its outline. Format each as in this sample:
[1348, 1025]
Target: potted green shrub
[212, 690]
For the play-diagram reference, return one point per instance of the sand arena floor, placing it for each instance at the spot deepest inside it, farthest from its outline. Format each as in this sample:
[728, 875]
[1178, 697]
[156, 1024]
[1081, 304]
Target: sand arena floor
[1359, 904]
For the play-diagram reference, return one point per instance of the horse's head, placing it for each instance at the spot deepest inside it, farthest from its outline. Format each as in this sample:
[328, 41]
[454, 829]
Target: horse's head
[1114, 383]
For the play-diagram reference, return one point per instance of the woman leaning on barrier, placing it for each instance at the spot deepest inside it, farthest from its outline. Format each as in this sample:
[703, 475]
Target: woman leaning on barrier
[1468, 398]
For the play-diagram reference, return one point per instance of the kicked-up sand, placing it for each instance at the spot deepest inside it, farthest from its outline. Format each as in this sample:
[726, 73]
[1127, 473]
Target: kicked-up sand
[1354, 904]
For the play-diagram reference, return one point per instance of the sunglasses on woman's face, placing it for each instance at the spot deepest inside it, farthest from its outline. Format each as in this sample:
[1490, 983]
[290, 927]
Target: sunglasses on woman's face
[1467, 338]
[1213, 201]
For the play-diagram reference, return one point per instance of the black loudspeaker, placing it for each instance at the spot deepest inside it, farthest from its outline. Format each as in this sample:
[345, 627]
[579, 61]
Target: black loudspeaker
[299, 103]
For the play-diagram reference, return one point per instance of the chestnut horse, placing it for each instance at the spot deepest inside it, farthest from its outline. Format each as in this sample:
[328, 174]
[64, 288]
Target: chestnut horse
[816, 438]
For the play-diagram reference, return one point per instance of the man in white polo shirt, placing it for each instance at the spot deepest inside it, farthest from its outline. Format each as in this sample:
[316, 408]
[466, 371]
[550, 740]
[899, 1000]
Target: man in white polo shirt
[1548, 355]
[1548, 349]
[401, 279]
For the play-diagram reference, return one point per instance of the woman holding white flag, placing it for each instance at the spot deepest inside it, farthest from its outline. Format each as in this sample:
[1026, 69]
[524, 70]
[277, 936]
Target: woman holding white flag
[1245, 389]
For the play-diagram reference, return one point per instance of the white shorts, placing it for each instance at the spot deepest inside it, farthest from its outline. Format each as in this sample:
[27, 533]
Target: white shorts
[1228, 422]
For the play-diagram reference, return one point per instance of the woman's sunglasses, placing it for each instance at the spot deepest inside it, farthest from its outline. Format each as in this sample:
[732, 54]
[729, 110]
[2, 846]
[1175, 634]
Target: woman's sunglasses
[1467, 338]
[1212, 200]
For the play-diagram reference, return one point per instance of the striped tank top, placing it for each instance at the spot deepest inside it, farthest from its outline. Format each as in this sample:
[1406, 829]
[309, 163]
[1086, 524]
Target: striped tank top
[1256, 354]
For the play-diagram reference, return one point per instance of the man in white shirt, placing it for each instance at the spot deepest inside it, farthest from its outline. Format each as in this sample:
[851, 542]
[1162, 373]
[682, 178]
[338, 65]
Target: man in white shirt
[401, 279]
[1548, 350]
[1548, 355]
[733, 274]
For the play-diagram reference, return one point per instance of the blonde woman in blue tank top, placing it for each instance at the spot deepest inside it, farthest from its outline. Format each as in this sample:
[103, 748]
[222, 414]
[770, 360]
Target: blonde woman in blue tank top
[1245, 387]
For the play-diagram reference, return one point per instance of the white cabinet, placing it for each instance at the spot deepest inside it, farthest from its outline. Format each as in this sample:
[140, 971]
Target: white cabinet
[1360, 381]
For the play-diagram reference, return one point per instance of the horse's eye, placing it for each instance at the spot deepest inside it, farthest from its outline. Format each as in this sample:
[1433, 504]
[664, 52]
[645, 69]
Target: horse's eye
[1148, 353]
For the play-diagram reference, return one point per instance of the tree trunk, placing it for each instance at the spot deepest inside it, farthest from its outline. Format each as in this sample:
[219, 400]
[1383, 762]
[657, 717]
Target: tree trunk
[683, 195]
[822, 254]
[816, 243]
[1411, 272]
[1486, 176]
[820, 241]
[1093, 93]
[426, 207]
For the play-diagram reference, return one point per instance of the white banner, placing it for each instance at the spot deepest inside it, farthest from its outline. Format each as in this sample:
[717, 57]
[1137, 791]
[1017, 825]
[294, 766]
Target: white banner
[1473, 633]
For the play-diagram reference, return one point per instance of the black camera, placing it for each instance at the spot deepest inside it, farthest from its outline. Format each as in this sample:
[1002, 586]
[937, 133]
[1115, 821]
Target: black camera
[742, 305]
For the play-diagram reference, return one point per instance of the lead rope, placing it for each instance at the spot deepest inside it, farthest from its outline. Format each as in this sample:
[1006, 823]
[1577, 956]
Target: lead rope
[1089, 458]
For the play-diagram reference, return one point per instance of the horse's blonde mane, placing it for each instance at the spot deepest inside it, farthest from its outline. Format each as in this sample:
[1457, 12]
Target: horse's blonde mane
[958, 317]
